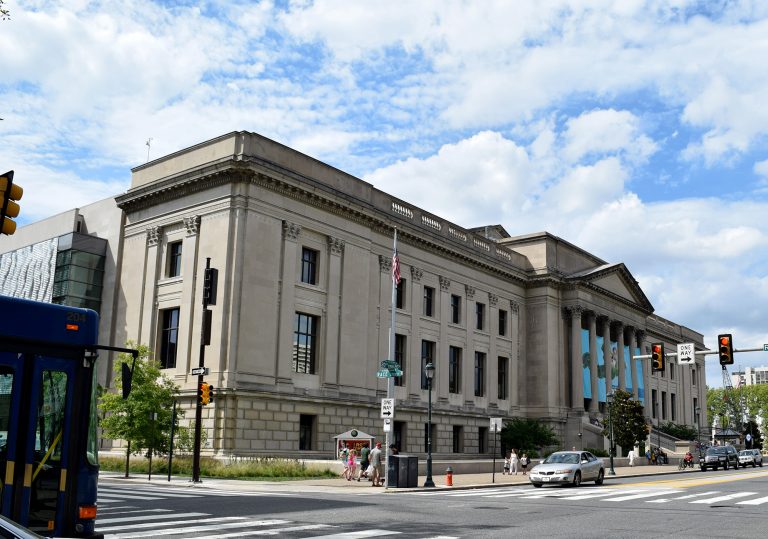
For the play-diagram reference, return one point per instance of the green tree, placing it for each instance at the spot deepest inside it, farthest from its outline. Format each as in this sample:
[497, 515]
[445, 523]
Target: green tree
[751, 427]
[4, 13]
[144, 419]
[629, 427]
[527, 434]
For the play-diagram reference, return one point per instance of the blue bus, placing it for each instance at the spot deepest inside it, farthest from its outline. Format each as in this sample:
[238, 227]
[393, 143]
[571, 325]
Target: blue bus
[48, 447]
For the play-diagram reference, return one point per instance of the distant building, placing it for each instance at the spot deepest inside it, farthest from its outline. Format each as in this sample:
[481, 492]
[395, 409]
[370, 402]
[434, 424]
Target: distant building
[750, 376]
[526, 326]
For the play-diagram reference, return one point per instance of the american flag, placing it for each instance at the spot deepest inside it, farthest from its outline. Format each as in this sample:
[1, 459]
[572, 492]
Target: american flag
[396, 268]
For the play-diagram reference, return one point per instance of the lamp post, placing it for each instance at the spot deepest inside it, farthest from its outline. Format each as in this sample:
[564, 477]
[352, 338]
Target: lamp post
[697, 411]
[429, 372]
[611, 448]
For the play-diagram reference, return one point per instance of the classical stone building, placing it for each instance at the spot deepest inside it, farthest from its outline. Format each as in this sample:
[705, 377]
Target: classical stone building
[525, 326]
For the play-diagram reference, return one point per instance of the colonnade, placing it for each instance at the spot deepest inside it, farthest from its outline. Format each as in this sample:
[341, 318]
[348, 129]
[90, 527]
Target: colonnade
[625, 334]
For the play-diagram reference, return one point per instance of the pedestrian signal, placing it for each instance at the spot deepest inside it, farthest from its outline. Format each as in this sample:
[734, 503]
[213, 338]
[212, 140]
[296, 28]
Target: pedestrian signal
[725, 349]
[658, 360]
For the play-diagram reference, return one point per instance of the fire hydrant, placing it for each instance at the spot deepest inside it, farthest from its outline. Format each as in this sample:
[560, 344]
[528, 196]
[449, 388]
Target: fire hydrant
[449, 477]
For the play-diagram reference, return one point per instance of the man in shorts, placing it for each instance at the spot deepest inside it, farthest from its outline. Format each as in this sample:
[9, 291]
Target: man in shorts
[375, 460]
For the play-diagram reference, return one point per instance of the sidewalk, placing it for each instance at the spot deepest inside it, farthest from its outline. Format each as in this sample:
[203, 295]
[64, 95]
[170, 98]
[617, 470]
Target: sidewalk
[462, 481]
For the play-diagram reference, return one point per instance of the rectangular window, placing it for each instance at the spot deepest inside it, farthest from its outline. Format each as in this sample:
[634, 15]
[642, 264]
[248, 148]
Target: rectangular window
[169, 338]
[479, 374]
[457, 438]
[672, 406]
[306, 427]
[696, 411]
[693, 376]
[400, 296]
[455, 309]
[398, 435]
[479, 316]
[503, 376]
[654, 403]
[671, 371]
[482, 440]
[429, 301]
[502, 322]
[305, 343]
[400, 342]
[454, 369]
[663, 405]
[308, 265]
[427, 356]
[174, 259]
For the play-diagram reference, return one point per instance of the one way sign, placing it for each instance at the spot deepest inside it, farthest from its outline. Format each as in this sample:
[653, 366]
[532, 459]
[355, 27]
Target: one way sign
[387, 408]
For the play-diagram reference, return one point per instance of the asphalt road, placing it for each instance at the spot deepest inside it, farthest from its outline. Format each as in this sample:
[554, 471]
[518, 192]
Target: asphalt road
[694, 504]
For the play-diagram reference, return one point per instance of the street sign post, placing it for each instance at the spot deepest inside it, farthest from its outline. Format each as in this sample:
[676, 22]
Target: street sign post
[387, 408]
[387, 425]
[686, 353]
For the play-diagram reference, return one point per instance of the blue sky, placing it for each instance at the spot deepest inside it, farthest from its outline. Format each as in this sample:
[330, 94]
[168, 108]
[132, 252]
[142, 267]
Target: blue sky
[636, 129]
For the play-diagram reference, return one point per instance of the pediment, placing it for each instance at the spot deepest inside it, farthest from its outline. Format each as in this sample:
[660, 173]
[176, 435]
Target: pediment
[616, 280]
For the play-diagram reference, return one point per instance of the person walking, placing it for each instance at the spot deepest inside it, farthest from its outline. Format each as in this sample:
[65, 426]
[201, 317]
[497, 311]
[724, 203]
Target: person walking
[364, 462]
[513, 462]
[524, 460]
[505, 471]
[351, 464]
[375, 459]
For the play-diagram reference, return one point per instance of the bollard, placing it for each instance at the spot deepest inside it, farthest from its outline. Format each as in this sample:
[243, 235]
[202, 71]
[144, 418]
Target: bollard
[449, 477]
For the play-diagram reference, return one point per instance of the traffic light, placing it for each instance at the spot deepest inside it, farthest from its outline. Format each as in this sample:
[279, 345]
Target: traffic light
[204, 393]
[658, 361]
[725, 349]
[9, 208]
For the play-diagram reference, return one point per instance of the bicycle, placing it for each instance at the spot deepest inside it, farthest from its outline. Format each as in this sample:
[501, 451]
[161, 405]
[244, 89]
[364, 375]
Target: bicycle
[683, 464]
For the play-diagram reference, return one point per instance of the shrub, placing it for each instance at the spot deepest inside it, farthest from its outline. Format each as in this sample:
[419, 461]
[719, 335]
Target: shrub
[597, 452]
[681, 432]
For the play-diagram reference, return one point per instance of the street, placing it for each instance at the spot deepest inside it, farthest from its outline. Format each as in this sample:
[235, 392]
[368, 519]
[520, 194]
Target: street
[693, 504]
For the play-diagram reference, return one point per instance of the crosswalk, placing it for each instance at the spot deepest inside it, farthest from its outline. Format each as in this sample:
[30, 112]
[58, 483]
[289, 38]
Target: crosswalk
[109, 494]
[609, 495]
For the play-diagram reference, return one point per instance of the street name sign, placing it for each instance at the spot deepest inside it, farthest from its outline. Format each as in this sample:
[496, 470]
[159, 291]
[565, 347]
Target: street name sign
[765, 348]
[386, 373]
[387, 408]
[197, 371]
[685, 353]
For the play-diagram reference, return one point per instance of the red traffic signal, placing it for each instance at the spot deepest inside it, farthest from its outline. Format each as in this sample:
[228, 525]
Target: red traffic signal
[725, 349]
[657, 357]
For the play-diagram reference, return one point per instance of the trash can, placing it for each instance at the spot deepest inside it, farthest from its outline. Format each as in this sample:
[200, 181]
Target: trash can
[403, 471]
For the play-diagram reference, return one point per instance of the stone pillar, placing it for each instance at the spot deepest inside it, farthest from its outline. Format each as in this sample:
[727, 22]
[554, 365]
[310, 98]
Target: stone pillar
[147, 333]
[645, 372]
[188, 352]
[492, 361]
[468, 368]
[632, 368]
[284, 359]
[605, 325]
[620, 356]
[331, 360]
[515, 361]
[594, 403]
[440, 383]
[577, 389]
[414, 367]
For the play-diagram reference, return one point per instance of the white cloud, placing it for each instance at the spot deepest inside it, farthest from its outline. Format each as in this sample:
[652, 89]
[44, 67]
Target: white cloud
[602, 131]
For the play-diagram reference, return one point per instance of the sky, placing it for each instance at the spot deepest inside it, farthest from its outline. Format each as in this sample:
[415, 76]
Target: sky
[637, 130]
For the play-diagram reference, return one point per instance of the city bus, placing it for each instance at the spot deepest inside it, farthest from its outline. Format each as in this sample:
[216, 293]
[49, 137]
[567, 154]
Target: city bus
[48, 446]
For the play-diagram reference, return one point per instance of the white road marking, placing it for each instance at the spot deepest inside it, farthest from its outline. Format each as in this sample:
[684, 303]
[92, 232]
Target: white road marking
[725, 497]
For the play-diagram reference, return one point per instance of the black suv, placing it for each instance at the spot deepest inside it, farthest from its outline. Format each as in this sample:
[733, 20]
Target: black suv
[723, 456]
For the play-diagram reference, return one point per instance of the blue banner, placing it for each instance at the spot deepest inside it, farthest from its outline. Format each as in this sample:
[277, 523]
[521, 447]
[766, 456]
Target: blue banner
[627, 369]
[600, 370]
[640, 377]
[585, 363]
[614, 365]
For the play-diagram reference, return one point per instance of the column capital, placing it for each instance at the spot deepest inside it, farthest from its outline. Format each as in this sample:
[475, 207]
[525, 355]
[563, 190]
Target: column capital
[576, 311]
[192, 224]
[603, 320]
[629, 329]
[385, 263]
[514, 306]
[416, 274]
[493, 299]
[445, 283]
[291, 231]
[336, 245]
[470, 291]
[153, 235]
[640, 334]
[618, 325]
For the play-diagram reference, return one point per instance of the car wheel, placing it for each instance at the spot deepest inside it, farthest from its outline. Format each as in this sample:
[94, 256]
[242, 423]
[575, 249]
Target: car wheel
[600, 477]
[577, 479]
[725, 466]
[537, 485]
[754, 464]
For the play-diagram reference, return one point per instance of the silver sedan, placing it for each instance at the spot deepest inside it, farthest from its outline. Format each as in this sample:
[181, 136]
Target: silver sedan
[568, 467]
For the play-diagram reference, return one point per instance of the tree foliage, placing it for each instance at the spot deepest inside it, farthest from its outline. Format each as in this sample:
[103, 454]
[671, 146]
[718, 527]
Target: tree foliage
[133, 419]
[527, 434]
[681, 432]
[626, 414]
[4, 13]
[733, 408]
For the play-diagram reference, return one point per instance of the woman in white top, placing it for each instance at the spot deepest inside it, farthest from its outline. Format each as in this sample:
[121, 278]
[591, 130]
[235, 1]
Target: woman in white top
[513, 462]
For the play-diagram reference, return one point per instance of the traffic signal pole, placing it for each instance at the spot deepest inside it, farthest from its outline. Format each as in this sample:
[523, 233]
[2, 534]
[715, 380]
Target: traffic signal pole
[204, 341]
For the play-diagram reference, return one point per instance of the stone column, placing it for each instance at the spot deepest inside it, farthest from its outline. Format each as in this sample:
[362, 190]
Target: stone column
[188, 353]
[492, 361]
[620, 356]
[468, 368]
[440, 383]
[605, 325]
[331, 360]
[594, 403]
[152, 268]
[515, 361]
[645, 372]
[632, 368]
[414, 367]
[284, 359]
[577, 388]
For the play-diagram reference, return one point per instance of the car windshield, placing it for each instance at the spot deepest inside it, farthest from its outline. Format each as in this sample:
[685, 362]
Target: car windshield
[746, 453]
[716, 451]
[562, 458]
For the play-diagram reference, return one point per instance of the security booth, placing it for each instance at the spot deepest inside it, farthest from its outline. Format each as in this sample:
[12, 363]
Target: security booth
[353, 439]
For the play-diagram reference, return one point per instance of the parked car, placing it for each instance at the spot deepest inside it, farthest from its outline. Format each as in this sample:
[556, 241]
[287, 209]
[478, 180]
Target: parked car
[569, 468]
[750, 456]
[719, 456]
[12, 530]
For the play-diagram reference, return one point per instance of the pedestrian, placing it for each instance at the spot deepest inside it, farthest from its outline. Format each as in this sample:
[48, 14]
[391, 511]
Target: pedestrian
[648, 456]
[352, 465]
[524, 460]
[393, 449]
[364, 462]
[344, 458]
[513, 461]
[505, 471]
[375, 459]
[631, 458]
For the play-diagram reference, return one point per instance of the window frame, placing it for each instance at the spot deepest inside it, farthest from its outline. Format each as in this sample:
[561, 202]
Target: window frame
[503, 378]
[169, 337]
[502, 323]
[427, 356]
[174, 258]
[309, 265]
[479, 316]
[428, 303]
[309, 359]
[454, 369]
[400, 294]
[480, 371]
[401, 349]
[455, 309]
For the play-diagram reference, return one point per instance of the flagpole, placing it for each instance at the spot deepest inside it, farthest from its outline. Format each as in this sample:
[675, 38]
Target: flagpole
[391, 380]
